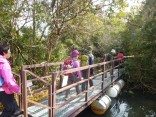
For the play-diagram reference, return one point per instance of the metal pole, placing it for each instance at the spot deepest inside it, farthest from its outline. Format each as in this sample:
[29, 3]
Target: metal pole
[87, 93]
[21, 87]
[103, 76]
[119, 69]
[61, 77]
[24, 93]
[20, 95]
[53, 94]
[50, 100]
[112, 71]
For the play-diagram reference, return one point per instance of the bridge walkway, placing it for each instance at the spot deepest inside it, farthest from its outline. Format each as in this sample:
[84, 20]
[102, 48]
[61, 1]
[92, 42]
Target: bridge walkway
[55, 104]
[77, 103]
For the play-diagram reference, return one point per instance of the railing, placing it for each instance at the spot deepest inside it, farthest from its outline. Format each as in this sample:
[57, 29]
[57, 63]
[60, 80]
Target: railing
[25, 72]
[53, 91]
[18, 79]
[88, 100]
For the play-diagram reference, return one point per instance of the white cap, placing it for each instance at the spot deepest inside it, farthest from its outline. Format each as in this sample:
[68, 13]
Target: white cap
[113, 51]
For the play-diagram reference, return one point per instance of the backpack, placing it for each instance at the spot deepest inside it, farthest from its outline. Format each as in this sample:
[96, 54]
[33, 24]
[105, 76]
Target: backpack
[1, 81]
[107, 57]
[68, 64]
[91, 59]
[84, 60]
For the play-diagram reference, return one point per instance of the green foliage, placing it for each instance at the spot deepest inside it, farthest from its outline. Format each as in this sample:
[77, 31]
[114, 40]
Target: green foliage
[139, 40]
[49, 33]
[60, 53]
[42, 31]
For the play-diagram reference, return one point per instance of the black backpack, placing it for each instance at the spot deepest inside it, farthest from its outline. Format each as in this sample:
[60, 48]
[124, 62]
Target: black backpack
[108, 57]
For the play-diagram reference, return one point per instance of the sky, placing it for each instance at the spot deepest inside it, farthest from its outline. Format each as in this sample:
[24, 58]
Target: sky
[131, 3]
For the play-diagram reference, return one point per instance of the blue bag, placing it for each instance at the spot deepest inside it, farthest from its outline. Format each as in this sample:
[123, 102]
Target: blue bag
[1, 81]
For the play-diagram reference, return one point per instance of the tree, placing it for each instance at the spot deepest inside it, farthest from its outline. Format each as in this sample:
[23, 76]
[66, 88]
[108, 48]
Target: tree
[139, 40]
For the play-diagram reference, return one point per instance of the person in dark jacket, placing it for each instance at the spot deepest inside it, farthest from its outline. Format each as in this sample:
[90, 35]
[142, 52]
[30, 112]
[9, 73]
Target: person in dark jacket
[91, 61]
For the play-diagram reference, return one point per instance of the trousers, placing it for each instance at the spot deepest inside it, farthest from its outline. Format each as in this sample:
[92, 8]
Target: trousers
[9, 104]
[71, 80]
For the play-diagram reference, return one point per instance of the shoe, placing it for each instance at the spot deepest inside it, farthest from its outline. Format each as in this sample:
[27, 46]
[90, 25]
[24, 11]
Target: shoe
[83, 90]
[17, 113]
[67, 98]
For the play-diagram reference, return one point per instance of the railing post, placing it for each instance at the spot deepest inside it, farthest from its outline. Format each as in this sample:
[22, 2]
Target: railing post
[61, 67]
[53, 94]
[103, 76]
[24, 93]
[112, 71]
[88, 77]
[61, 78]
[119, 65]
[20, 95]
[50, 100]
[21, 88]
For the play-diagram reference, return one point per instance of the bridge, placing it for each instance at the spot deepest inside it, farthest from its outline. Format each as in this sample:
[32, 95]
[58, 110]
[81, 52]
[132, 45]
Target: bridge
[45, 81]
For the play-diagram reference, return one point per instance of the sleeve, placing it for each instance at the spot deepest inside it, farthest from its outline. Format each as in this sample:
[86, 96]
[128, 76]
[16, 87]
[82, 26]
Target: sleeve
[77, 65]
[103, 57]
[91, 59]
[9, 80]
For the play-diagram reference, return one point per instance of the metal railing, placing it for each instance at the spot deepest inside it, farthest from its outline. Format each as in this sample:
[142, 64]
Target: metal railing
[51, 85]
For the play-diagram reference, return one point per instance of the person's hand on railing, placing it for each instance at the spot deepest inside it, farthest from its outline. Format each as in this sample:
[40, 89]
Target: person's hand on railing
[81, 78]
[19, 92]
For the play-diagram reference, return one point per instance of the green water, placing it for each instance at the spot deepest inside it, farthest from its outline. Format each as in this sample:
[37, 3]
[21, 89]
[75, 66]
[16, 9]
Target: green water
[128, 104]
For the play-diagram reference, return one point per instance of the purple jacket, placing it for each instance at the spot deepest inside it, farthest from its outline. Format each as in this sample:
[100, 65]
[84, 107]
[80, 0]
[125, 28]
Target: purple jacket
[76, 65]
[10, 85]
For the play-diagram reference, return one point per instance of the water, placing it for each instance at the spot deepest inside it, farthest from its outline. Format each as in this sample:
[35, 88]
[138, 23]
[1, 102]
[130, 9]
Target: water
[128, 104]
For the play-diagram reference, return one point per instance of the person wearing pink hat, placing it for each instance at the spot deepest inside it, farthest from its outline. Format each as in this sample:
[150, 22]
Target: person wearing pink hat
[74, 77]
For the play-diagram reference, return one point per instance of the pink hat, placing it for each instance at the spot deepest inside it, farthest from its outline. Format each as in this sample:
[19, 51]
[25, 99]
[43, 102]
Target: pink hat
[75, 53]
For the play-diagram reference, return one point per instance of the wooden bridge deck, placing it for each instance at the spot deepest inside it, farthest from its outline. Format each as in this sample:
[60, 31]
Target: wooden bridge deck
[65, 111]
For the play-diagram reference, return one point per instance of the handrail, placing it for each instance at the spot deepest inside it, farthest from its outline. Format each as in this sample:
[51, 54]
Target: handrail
[39, 104]
[85, 67]
[80, 82]
[41, 65]
[19, 83]
[37, 77]
[52, 86]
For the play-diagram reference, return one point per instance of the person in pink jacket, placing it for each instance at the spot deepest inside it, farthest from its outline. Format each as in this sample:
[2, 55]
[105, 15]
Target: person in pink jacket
[10, 107]
[76, 76]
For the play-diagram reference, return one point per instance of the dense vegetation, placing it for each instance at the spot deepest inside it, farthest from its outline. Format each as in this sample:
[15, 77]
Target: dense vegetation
[139, 39]
[47, 30]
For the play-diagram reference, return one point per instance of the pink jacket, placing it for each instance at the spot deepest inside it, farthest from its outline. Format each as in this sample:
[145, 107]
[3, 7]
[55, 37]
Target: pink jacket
[120, 55]
[77, 65]
[10, 85]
